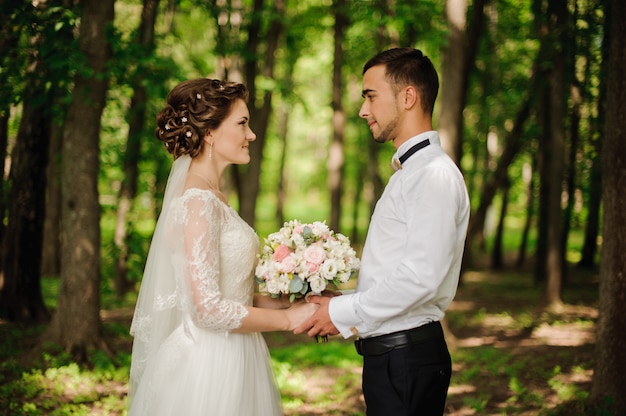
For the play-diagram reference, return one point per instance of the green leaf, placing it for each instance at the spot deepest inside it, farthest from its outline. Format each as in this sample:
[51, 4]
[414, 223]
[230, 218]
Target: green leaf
[307, 235]
[296, 284]
[305, 287]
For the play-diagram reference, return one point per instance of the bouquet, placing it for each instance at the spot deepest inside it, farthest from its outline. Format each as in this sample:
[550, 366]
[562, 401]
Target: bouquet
[301, 258]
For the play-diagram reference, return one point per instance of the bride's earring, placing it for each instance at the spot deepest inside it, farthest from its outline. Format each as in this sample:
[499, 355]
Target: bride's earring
[207, 139]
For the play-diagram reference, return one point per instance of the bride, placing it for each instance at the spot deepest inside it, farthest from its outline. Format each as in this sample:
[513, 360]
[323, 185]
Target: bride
[198, 347]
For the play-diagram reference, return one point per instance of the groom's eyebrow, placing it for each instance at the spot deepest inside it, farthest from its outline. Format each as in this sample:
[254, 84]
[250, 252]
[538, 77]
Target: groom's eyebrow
[365, 92]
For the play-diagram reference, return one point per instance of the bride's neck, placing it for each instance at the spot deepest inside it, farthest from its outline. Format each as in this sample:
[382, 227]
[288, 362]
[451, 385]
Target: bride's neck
[212, 183]
[207, 172]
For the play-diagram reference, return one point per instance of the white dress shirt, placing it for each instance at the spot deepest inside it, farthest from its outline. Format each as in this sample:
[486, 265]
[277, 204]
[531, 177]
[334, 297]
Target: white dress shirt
[412, 255]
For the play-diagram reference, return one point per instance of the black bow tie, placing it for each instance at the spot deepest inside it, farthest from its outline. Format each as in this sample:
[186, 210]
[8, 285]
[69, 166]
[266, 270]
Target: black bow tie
[398, 163]
[414, 149]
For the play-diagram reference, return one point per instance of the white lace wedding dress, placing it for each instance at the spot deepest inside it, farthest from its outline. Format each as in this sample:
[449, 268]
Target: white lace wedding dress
[201, 368]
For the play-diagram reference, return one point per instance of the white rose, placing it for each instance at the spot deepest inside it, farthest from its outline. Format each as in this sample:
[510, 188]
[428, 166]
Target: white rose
[320, 228]
[317, 283]
[343, 277]
[328, 269]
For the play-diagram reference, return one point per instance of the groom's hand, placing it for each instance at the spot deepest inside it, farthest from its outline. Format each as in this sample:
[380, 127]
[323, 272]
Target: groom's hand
[319, 323]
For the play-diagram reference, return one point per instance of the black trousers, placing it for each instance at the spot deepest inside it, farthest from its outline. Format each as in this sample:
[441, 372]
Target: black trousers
[411, 380]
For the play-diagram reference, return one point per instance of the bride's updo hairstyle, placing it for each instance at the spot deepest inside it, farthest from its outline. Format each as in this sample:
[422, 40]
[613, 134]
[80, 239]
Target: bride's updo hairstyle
[193, 107]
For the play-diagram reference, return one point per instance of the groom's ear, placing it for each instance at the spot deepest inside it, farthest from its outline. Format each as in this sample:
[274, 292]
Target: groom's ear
[411, 97]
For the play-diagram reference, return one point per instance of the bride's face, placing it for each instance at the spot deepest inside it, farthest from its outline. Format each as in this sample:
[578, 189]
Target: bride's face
[232, 138]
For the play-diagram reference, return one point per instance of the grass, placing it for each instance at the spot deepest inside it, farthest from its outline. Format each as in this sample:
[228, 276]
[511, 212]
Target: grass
[509, 357]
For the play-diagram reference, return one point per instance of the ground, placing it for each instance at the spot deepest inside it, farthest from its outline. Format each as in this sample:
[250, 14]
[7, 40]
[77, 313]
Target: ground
[511, 355]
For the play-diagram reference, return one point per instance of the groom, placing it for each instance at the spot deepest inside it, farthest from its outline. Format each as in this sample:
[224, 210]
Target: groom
[412, 255]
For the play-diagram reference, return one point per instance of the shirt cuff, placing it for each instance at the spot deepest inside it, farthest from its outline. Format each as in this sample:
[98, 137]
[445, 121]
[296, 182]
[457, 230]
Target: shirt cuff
[343, 314]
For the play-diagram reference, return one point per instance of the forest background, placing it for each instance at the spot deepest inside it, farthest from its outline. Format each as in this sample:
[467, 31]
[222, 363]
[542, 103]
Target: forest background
[528, 108]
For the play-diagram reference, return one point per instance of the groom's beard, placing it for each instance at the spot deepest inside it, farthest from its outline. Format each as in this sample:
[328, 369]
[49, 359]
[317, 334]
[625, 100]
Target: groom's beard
[385, 134]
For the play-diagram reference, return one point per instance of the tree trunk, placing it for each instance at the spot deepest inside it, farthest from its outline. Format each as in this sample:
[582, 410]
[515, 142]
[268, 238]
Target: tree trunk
[594, 196]
[335, 162]
[513, 144]
[76, 324]
[63, 36]
[21, 297]
[543, 157]
[557, 12]
[51, 255]
[10, 33]
[571, 169]
[594, 201]
[283, 125]
[358, 193]
[247, 177]
[451, 97]
[20, 293]
[4, 143]
[529, 176]
[610, 356]
[136, 123]
[281, 191]
[497, 255]
[458, 60]
[228, 17]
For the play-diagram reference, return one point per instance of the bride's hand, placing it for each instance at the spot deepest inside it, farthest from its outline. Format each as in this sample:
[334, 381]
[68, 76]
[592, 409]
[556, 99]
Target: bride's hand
[326, 293]
[299, 312]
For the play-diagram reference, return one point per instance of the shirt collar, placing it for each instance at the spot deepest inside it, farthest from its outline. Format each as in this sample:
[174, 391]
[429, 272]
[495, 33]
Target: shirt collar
[432, 135]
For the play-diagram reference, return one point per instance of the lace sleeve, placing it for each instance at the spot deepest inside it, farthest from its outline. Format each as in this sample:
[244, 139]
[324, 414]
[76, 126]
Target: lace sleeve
[202, 223]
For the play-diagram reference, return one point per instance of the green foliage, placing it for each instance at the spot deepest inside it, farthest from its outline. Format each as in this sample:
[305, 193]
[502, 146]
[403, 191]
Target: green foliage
[564, 390]
[477, 403]
[51, 383]
[335, 354]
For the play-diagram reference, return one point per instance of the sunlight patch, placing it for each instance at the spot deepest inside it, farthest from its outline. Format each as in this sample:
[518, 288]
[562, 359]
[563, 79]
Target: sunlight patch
[565, 335]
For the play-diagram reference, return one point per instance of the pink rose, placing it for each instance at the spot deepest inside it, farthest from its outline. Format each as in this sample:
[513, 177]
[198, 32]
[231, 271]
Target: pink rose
[312, 267]
[281, 252]
[288, 265]
[314, 254]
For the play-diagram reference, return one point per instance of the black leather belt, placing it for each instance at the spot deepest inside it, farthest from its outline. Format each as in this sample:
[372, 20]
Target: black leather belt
[385, 343]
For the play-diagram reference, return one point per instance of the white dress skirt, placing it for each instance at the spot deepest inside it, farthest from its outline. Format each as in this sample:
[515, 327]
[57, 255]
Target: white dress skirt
[202, 368]
[209, 374]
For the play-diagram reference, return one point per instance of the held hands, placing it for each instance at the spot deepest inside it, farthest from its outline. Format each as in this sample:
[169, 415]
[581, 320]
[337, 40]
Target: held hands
[319, 324]
[298, 313]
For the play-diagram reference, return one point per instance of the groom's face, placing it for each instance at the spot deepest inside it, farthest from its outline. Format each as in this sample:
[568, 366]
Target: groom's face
[380, 105]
